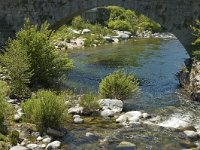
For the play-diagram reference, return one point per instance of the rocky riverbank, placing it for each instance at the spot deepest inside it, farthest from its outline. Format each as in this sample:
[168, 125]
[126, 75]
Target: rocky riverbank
[189, 79]
[79, 41]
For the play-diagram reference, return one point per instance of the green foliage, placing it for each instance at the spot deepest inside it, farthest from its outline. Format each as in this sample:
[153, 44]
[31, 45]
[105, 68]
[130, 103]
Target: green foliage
[119, 25]
[14, 137]
[4, 106]
[17, 62]
[196, 43]
[118, 85]
[45, 109]
[2, 137]
[89, 103]
[121, 19]
[32, 60]
[93, 40]
[79, 23]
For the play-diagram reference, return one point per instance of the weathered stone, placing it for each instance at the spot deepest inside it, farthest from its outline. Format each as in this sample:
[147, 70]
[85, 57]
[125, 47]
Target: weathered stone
[76, 110]
[113, 104]
[89, 134]
[78, 120]
[146, 115]
[54, 145]
[191, 134]
[122, 118]
[39, 138]
[107, 113]
[19, 148]
[126, 146]
[32, 146]
[47, 140]
[86, 31]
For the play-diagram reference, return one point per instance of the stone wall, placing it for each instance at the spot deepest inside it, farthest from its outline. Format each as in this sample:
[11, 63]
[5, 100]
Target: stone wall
[175, 15]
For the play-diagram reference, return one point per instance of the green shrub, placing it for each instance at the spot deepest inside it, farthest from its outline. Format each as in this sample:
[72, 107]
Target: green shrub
[14, 138]
[119, 25]
[32, 58]
[4, 106]
[89, 103]
[116, 13]
[79, 23]
[2, 137]
[93, 40]
[45, 109]
[17, 62]
[118, 85]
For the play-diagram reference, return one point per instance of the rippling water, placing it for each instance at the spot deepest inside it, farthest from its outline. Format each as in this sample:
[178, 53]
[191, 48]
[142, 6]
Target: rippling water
[155, 62]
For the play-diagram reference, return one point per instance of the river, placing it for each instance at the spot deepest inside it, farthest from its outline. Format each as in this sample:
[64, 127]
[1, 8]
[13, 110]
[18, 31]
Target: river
[155, 62]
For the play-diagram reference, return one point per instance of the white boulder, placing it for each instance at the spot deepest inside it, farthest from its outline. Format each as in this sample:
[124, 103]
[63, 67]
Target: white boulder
[54, 145]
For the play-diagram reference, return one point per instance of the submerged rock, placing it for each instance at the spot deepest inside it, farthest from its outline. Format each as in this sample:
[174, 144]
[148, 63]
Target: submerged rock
[126, 146]
[131, 117]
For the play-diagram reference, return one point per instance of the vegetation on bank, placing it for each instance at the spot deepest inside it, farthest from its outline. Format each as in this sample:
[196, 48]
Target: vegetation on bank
[118, 19]
[196, 43]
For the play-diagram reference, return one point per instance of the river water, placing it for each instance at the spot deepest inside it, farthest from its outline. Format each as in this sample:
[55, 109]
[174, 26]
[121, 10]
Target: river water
[155, 62]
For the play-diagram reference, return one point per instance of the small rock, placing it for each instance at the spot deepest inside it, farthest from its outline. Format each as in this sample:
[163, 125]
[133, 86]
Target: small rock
[76, 116]
[191, 134]
[35, 134]
[86, 31]
[146, 115]
[42, 146]
[17, 117]
[126, 146]
[107, 113]
[32, 146]
[112, 104]
[76, 110]
[89, 134]
[54, 145]
[19, 148]
[46, 140]
[78, 120]
[39, 138]
[122, 118]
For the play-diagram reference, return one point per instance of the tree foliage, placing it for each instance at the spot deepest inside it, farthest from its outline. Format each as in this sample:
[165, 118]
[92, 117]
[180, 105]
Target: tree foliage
[196, 43]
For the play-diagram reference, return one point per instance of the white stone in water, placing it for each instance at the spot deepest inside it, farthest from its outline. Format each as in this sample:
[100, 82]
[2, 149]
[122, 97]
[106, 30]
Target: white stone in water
[133, 114]
[39, 138]
[146, 115]
[19, 148]
[76, 110]
[32, 146]
[177, 121]
[107, 113]
[46, 140]
[76, 116]
[133, 119]
[122, 118]
[78, 120]
[89, 134]
[191, 134]
[54, 145]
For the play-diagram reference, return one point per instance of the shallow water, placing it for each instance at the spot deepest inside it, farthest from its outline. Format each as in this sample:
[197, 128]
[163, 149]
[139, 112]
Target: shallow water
[155, 62]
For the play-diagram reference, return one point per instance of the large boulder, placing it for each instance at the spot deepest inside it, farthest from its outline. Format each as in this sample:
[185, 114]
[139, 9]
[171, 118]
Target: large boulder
[54, 145]
[112, 104]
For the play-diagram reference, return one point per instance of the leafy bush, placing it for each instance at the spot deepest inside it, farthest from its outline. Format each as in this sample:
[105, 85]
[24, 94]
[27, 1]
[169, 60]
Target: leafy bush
[118, 85]
[45, 109]
[116, 13]
[119, 25]
[31, 58]
[14, 137]
[93, 40]
[89, 103]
